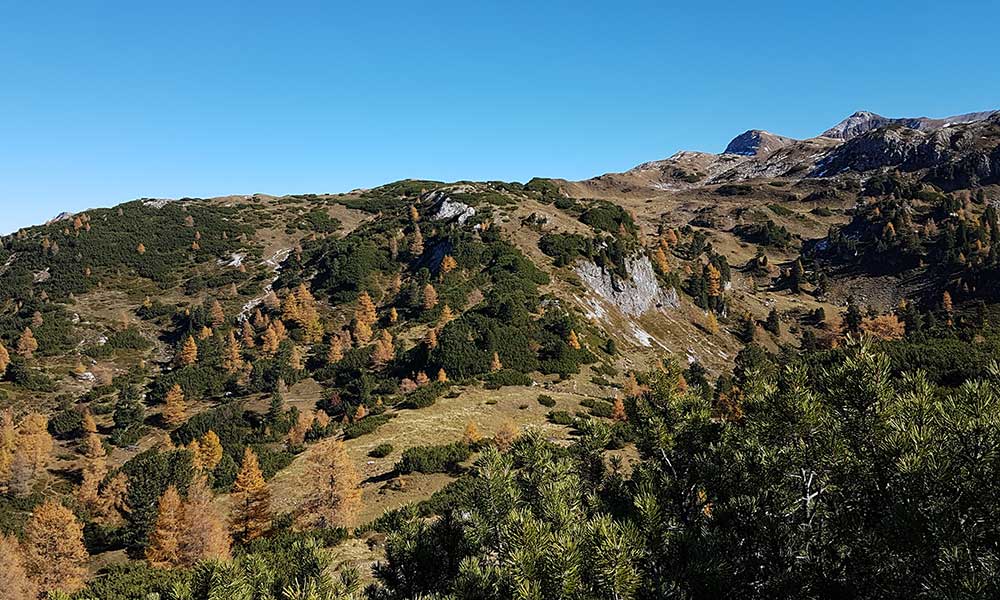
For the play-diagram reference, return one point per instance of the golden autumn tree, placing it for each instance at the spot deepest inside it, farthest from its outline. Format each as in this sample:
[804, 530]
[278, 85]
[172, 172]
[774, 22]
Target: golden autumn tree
[4, 359]
[174, 406]
[431, 339]
[32, 455]
[336, 351]
[573, 340]
[54, 549]
[365, 310]
[251, 496]
[270, 341]
[384, 351]
[27, 344]
[495, 364]
[448, 264]
[204, 535]
[247, 334]
[189, 352]
[442, 377]
[505, 435]
[362, 332]
[297, 434]
[422, 379]
[884, 327]
[141, 248]
[714, 281]
[417, 243]
[216, 314]
[414, 215]
[446, 316]
[660, 260]
[208, 452]
[17, 585]
[164, 548]
[618, 411]
[232, 360]
[711, 323]
[946, 303]
[471, 436]
[335, 486]
[430, 297]
[8, 443]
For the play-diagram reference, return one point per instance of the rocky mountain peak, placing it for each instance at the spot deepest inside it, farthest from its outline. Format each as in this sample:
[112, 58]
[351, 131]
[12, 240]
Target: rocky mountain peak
[756, 142]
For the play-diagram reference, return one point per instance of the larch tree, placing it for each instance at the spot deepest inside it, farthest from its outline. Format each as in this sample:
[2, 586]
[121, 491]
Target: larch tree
[247, 334]
[448, 264]
[660, 260]
[573, 340]
[422, 379]
[335, 352]
[164, 549]
[430, 297]
[417, 243]
[505, 435]
[4, 359]
[495, 364]
[431, 339]
[384, 350]
[442, 377]
[216, 314]
[471, 436]
[204, 535]
[141, 248]
[362, 332]
[270, 342]
[714, 281]
[189, 352]
[34, 450]
[17, 585]
[232, 360]
[414, 215]
[446, 317]
[54, 549]
[251, 513]
[618, 411]
[8, 443]
[365, 310]
[174, 406]
[335, 486]
[27, 345]
[711, 323]
[946, 303]
[209, 453]
[393, 315]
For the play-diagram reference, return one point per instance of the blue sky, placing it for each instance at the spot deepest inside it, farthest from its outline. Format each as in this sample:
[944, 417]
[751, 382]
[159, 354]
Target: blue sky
[103, 102]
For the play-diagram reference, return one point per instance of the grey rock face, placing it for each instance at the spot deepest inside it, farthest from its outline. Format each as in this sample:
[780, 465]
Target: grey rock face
[863, 121]
[634, 296]
[756, 142]
[450, 210]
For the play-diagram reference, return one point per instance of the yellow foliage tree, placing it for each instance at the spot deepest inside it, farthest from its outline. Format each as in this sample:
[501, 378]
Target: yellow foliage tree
[618, 411]
[336, 351]
[189, 352]
[270, 341]
[573, 341]
[4, 359]
[216, 314]
[251, 516]
[430, 297]
[711, 323]
[174, 406]
[471, 436]
[54, 549]
[335, 486]
[232, 361]
[417, 243]
[442, 376]
[448, 264]
[365, 310]
[495, 364]
[27, 344]
[17, 585]
[164, 548]
[203, 528]
[505, 436]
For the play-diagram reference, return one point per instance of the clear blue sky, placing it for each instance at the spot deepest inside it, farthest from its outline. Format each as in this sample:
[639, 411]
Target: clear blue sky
[103, 102]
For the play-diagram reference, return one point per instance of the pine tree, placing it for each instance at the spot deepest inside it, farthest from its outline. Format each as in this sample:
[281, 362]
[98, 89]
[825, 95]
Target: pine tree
[216, 314]
[251, 516]
[189, 352]
[26, 344]
[430, 297]
[54, 550]
[203, 529]
[335, 486]
[17, 585]
[174, 406]
[164, 548]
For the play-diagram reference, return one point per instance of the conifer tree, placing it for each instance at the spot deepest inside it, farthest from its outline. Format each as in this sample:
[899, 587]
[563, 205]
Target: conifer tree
[174, 406]
[189, 352]
[232, 361]
[4, 359]
[446, 316]
[505, 436]
[216, 314]
[660, 260]
[430, 298]
[448, 264]
[203, 529]
[335, 486]
[618, 411]
[247, 334]
[495, 364]
[384, 350]
[336, 351]
[417, 243]
[141, 248]
[34, 449]
[714, 281]
[422, 379]
[414, 215]
[711, 323]
[393, 315]
[17, 585]
[442, 377]
[251, 515]
[362, 332]
[431, 339]
[54, 549]
[365, 310]
[946, 303]
[270, 342]
[26, 344]
[471, 435]
[164, 548]
[573, 340]
[209, 453]
[8, 443]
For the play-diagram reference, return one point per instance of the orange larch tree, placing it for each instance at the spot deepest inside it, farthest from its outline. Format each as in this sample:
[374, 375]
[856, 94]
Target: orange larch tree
[251, 516]
[54, 549]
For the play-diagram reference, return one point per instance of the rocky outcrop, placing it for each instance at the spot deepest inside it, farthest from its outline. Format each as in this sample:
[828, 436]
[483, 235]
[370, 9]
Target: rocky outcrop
[756, 143]
[863, 121]
[446, 209]
[634, 296]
